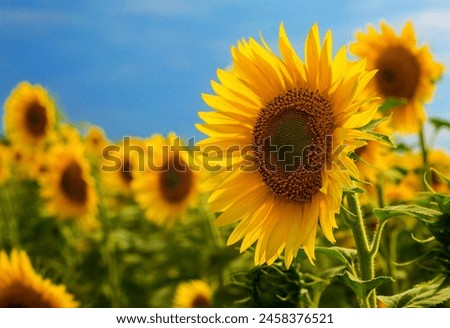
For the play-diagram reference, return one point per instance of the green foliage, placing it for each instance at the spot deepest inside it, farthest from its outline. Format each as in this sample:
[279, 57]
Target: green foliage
[361, 287]
[427, 294]
[440, 123]
[391, 103]
[419, 212]
[384, 138]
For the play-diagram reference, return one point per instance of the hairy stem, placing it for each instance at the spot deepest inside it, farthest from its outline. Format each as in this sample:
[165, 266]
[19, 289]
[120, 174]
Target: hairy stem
[365, 254]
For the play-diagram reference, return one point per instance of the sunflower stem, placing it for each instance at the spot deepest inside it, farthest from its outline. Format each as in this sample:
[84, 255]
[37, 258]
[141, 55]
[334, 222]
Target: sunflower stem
[423, 148]
[10, 214]
[365, 255]
[377, 238]
[109, 253]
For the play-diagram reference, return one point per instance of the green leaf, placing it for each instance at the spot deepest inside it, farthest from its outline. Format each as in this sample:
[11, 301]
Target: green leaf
[426, 294]
[419, 212]
[342, 254]
[443, 201]
[374, 123]
[440, 123]
[383, 138]
[353, 190]
[391, 103]
[361, 287]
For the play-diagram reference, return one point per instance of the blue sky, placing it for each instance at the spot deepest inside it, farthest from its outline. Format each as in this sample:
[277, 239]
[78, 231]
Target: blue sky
[139, 67]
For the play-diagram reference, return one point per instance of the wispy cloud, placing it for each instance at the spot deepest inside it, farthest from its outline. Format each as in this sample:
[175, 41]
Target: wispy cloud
[24, 17]
[433, 19]
[167, 7]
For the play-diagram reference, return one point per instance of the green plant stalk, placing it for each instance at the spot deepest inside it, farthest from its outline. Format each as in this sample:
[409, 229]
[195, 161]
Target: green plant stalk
[10, 214]
[108, 248]
[365, 255]
[423, 148]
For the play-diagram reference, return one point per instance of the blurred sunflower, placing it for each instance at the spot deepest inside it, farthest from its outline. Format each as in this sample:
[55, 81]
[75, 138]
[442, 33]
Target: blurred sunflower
[4, 164]
[95, 141]
[30, 115]
[128, 156]
[294, 123]
[22, 287]
[440, 161]
[170, 183]
[372, 157]
[68, 134]
[68, 187]
[404, 189]
[193, 294]
[404, 71]
[21, 160]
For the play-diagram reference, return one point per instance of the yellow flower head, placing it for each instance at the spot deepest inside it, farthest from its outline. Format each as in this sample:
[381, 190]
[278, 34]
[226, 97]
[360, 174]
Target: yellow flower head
[193, 294]
[404, 71]
[120, 162]
[169, 185]
[372, 157]
[95, 141]
[30, 115]
[67, 186]
[285, 128]
[5, 163]
[21, 286]
[439, 161]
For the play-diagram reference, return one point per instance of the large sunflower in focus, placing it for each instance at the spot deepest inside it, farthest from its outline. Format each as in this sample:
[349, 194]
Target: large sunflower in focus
[30, 115]
[22, 287]
[285, 128]
[67, 186]
[170, 183]
[404, 71]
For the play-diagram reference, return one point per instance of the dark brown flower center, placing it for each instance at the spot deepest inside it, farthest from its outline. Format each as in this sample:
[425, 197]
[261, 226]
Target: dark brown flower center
[18, 295]
[398, 73]
[73, 184]
[200, 301]
[125, 171]
[175, 180]
[291, 139]
[36, 119]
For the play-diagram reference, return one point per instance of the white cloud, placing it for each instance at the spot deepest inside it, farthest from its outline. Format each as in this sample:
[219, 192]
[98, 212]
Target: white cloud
[433, 19]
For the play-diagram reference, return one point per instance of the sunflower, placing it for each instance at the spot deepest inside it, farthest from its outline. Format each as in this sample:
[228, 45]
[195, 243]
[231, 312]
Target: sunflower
[30, 115]
[294, 124]
[120, 161]
[372, 157]
[403, 190]
[193, 294]
[4, 164]
[67, 186]
[440, 161]
[170, 183]
[21, 161]
[95, 141]
[22, 287]
[404, 71]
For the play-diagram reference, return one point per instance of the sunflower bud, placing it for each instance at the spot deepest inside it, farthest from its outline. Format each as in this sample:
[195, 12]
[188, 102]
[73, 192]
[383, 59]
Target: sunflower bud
[274, 286]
